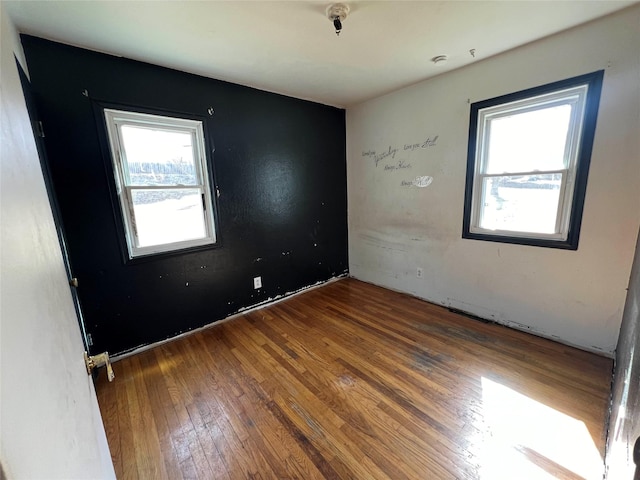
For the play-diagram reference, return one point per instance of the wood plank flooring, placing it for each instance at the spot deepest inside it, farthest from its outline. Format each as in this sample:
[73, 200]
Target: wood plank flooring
[354, 381]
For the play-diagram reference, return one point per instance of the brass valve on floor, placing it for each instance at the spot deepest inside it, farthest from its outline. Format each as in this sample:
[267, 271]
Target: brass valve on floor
[94, 361]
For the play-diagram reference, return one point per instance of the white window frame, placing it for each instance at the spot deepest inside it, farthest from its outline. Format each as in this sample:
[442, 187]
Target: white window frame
[115, 120]
[574, 97]
[582, 94]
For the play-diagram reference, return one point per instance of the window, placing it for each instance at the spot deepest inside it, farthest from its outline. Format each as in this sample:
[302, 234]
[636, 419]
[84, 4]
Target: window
[528, 161]
[162, 181]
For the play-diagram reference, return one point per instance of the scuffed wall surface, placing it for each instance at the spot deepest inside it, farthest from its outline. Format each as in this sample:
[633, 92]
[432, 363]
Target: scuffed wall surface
[406, 155]
[50, 425]
[624, 425]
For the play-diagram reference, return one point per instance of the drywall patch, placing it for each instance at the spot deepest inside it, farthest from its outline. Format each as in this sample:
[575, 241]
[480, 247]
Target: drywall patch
[377, 240]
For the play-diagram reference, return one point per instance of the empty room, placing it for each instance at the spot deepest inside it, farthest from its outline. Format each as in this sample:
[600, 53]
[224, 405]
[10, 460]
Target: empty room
[305, 240]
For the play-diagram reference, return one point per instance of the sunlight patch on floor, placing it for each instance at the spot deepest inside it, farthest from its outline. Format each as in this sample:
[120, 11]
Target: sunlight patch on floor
[528, 440]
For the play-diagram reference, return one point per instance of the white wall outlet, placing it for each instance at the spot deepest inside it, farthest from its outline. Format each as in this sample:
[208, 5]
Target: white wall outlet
[419, 272]
[257, 282]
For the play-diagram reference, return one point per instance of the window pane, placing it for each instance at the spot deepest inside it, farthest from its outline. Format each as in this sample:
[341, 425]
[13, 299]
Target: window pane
[167, 216]
[521, 203]
[158, 157]
[530, 141]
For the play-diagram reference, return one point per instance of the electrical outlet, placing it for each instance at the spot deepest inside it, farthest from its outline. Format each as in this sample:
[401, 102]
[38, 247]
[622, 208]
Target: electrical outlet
[419, 272]
[257, 282]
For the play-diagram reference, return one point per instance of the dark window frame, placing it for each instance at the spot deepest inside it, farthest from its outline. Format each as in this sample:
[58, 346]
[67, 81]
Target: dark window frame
[594, 82]
[98, 107]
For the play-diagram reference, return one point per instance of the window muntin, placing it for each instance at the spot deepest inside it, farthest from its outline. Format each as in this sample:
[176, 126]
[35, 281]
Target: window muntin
[524, 161]
[162, 181]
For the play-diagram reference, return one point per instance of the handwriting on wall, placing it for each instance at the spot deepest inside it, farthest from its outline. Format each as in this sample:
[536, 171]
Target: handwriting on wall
[392, 151]
[401, 165]
[377, 157]
[395, 159]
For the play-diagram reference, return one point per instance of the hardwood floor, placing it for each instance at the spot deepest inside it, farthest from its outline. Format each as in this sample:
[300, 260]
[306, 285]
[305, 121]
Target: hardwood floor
[354, 381]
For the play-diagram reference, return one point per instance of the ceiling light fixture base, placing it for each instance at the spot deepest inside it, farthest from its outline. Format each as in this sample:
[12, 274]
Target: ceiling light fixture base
[337, 13]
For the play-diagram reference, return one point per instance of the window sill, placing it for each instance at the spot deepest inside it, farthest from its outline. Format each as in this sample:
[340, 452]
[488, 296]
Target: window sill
[567, 244]
[156, 256]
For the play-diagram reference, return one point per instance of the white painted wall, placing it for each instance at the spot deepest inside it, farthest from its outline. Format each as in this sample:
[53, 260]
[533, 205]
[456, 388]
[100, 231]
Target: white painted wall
[50, 425]
[576, 297]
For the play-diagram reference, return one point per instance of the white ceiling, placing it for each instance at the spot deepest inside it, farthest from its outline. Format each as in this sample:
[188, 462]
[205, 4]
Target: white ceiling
[290, 47]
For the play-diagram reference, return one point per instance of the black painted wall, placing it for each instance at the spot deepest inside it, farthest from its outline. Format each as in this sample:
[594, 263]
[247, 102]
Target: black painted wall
[280, 166]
